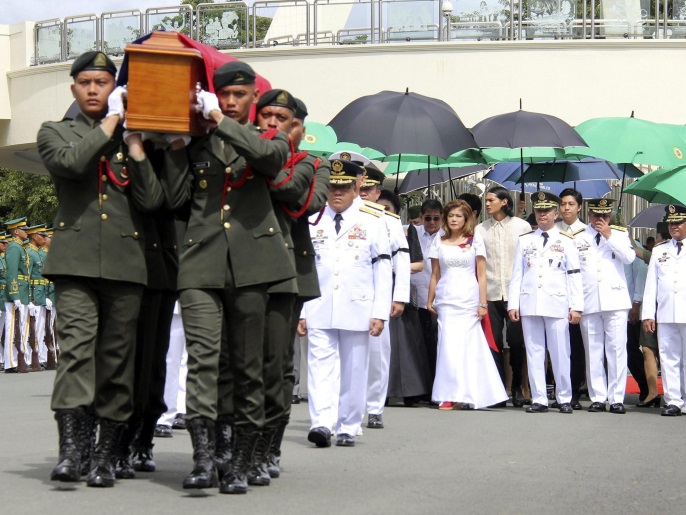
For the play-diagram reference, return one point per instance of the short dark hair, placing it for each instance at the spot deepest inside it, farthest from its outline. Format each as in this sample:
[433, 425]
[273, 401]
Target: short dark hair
[650, 239]
[392, 198]
[504, 194]
[432, 205]
[474, 202]
[571, 192]
[665, 236]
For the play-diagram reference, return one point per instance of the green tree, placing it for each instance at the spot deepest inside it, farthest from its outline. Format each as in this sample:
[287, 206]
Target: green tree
[27, 194]
[262, 23]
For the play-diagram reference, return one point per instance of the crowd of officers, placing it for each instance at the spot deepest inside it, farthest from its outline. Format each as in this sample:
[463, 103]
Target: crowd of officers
[257, 240]
[27, 316]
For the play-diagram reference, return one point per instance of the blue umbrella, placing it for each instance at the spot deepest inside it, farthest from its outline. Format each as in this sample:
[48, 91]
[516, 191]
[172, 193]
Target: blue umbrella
[572, 171]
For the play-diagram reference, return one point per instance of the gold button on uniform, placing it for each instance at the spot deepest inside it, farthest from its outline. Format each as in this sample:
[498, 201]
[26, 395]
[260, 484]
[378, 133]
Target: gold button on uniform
[104, 197]
[226, 207]
[201, 172]
[154, 245]
[271, 229]
[135, 234]
[61, 224]
[103, 158]
[120, 156]
[228, 169]
[103, 216]
[104, 178]
[304, 253]
[203, 184]
[227, 225]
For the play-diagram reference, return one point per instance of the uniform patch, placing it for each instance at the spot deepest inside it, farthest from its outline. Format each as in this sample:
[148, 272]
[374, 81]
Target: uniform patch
[357, 233]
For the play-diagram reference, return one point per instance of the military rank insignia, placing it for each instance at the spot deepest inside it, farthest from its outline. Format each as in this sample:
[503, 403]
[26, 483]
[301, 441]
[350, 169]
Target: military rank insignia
[357, 233]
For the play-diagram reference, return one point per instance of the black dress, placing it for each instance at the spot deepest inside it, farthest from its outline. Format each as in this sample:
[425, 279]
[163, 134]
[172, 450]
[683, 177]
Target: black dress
[409, 368]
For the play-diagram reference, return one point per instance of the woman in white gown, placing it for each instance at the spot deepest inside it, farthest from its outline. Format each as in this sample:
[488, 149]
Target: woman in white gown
[466, 375]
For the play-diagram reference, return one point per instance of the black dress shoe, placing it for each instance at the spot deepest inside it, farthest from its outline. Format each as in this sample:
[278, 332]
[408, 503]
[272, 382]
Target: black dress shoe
[618, 408]
[179, 422]
[11, 370]
[345, 440]
[494, 406]
[596, 407]
[162, 431]
[537, 408]
[576, 405]
[320, 436]
[517, 398]
[671, 411]
[655, 401]
[374, 422]
[295, 400]
[566, 407]
[555, 405]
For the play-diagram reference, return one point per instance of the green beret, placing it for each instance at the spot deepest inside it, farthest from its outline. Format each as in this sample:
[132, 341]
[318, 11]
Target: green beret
[235, 73]
[276, 97]
[300, 109]
[93, 61]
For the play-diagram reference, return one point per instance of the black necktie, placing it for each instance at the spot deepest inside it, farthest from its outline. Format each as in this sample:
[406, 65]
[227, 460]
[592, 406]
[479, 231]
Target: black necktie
[679, 244]
[545, 238]
[597, 239]
[338, 218]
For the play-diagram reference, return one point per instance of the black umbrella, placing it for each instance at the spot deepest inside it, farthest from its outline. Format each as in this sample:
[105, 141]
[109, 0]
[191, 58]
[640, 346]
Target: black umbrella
[403, 123]
[417, 180]
[522, 129]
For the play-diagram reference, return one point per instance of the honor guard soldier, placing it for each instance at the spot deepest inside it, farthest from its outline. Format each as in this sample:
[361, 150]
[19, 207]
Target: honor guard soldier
[18, 297]
[546, 293]
[603, 252]
[37, 309]
[3, 297]
[104, 183]
[354, 268]
[664, 300]
[50, 341]
[232, 252]
[380, 348]
[301, 189]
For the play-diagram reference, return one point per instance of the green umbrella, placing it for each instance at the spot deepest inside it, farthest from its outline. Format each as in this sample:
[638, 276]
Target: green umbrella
[649, 187]
[631, 140]
[673, 184]
[319, 139]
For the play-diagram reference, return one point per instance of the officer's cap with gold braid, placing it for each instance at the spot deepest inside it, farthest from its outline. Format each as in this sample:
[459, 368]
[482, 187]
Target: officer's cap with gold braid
[349, 155]
[2, 238]
[601, 206]
[344, 172]
[36, 229]
[545, 200]
[277, 97]
[49, 232]
[235, 73]
[373, 177]
[675, 213]
[93, 60]
[18, 223]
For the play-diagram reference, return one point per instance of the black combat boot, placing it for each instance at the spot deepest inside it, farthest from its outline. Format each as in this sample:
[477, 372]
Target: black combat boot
[204, 473]
[102, 472]
[235, 480]
[88, 432]
[122, 453]
[142, 446]
[68, 469]
[258, 474]
[274, 453]
[224, 443]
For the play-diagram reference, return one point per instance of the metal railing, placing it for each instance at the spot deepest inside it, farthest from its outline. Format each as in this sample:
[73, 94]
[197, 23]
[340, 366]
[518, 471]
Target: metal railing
[314, 22]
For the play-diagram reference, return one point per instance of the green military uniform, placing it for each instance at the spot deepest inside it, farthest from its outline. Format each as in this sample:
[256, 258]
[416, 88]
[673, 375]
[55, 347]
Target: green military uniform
[16, 316]
[232, 249]
[36, 338]
[96, 261]
[3, 296]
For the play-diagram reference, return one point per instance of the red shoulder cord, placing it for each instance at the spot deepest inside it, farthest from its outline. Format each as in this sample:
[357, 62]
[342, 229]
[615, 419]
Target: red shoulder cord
[247, 172]
[290, 163]
[104, 169]
[310, 194]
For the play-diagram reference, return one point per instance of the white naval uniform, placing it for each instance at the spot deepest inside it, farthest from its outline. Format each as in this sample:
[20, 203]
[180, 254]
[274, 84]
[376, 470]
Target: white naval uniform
[606, 310]
[355, 278]
[664, 300]
[380, 347]
[177, 370]
[545, 286]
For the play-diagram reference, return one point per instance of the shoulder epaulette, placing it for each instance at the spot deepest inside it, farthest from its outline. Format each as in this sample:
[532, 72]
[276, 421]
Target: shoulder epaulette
[374, 205]
[661, 243]
[371, 211]
[565, 233]
[619, 228]
[392, 214]
[530, 232]
[577, 232]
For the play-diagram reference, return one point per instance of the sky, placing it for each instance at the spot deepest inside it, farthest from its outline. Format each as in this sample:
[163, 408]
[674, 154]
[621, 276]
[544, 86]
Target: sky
[15, 11]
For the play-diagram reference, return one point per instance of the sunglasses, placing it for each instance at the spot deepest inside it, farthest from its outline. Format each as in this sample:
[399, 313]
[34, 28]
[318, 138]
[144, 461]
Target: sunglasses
[432, 218]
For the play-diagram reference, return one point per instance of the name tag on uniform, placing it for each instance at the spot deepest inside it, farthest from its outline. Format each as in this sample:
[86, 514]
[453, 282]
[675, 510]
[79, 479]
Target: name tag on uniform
[201, 164]
[357, 233]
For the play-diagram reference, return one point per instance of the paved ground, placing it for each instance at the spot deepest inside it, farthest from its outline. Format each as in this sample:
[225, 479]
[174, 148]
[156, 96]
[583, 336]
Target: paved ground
[425, 461]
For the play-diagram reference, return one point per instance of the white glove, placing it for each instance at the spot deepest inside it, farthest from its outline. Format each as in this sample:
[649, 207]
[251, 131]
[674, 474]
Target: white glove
[48, 304]
[171, 138]
[144, 135]
[32, 309]
[115, 102]
[17, 304]
[206, 103]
